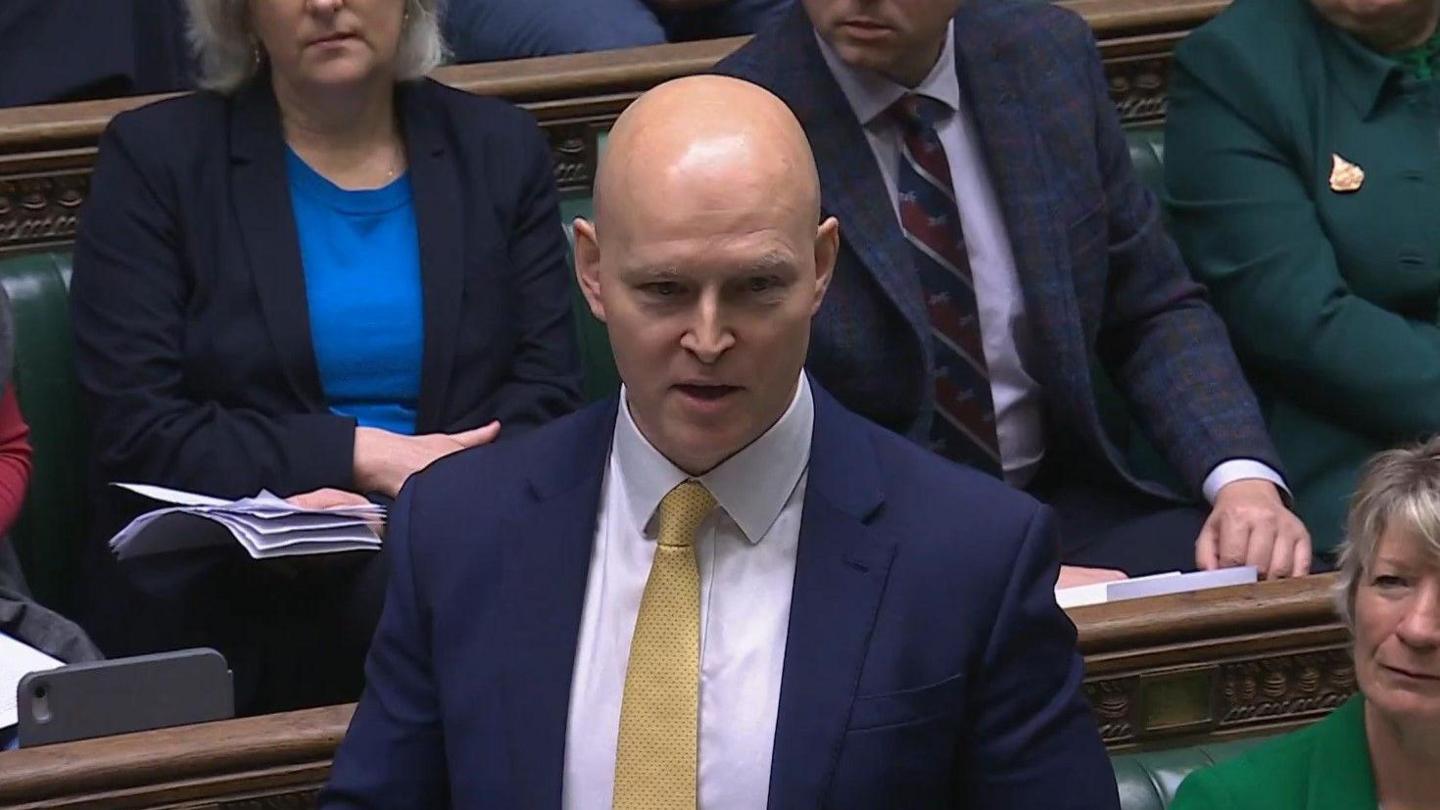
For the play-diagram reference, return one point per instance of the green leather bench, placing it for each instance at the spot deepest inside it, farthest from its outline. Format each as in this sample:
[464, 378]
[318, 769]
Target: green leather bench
[1148, 780]
[52, 523]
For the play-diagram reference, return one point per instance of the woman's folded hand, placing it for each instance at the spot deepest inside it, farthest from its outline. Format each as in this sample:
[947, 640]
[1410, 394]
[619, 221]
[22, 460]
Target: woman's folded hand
[383, 460]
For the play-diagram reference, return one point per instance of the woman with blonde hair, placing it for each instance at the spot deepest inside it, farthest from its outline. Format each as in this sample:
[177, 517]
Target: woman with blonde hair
[316, 277]
[1382, 747]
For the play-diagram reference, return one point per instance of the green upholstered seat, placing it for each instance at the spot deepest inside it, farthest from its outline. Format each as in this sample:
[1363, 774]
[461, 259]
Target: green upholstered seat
[1147, 154]
[52, 523]
[1148, 780]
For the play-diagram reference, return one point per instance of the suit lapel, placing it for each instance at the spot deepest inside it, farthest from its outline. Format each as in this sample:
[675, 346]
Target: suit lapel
[261, 194]
[547, 560]
[993, 82]
[438, 220]
[852, 188]
[840, 574]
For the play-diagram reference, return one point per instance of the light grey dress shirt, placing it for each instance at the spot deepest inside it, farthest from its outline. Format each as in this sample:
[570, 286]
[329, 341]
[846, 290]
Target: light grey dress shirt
[746, 553]
[1019, 407]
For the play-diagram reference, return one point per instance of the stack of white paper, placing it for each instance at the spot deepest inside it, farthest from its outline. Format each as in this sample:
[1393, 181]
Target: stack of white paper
[1154, 585]
[265, 526]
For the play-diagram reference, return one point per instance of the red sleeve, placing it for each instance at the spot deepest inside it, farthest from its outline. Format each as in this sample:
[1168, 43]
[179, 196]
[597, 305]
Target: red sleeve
[14, 459]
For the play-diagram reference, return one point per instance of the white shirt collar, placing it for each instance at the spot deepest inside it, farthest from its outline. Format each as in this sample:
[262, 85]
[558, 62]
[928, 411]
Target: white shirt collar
[871, 94]
[752, 486]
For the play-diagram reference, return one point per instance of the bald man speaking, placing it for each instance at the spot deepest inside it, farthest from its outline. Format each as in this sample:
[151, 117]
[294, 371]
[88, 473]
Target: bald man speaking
[720, 590]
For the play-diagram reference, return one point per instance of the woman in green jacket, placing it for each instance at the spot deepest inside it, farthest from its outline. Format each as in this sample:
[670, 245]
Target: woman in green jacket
[1303, 175]
[1382, 748]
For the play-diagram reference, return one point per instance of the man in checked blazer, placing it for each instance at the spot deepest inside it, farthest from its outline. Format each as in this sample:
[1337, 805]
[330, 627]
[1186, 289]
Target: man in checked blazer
[979, 340]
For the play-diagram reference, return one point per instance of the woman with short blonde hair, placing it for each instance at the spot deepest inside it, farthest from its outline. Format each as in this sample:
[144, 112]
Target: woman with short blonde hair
[315, 278]
[1382, 747]
[1400, 488]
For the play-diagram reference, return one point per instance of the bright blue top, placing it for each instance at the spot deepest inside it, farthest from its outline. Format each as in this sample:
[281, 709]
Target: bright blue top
[361, 254]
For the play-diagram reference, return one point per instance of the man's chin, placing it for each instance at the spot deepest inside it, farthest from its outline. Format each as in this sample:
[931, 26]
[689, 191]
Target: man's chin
[864, 56]
[698, 449]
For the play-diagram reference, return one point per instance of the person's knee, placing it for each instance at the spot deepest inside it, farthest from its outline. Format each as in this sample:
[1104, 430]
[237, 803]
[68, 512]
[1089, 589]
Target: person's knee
[488, 30]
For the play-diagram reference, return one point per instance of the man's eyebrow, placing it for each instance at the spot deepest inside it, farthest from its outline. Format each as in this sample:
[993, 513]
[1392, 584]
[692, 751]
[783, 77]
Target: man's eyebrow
[770, 262]
[658, 272]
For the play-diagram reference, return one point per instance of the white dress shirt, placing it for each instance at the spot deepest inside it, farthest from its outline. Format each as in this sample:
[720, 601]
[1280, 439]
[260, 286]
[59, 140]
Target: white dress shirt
[746, 553]
[1009, 347]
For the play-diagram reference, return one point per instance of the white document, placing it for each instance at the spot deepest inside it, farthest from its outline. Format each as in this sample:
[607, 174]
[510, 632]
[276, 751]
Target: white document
[1092, 594]
[174, 496]
[264, 525]
[1154, 585]
[17, 660]
[1180, 583]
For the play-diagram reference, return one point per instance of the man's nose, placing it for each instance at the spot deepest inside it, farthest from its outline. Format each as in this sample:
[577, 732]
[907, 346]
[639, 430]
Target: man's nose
[325, 6]
[709, 337]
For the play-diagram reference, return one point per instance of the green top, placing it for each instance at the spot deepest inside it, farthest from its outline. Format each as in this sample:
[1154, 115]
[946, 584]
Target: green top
[1331, 297]
[1325, 766]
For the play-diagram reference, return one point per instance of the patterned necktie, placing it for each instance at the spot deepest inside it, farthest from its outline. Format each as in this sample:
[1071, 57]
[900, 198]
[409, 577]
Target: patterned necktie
[964, 425]
[658, 750]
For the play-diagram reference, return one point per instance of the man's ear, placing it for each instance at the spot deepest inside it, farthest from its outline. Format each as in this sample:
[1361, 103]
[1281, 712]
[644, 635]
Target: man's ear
[587, 266]
[827, 250]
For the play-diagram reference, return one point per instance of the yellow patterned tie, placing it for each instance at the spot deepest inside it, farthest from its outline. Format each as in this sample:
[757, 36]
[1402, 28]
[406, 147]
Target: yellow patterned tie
[657, 754]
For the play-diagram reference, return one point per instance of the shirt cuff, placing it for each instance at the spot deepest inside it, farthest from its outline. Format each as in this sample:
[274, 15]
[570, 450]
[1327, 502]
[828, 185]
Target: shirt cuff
[1236, 469]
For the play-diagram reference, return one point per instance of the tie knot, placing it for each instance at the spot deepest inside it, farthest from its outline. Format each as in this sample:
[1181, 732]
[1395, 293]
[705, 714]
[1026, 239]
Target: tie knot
[917, 112]
[681, 511]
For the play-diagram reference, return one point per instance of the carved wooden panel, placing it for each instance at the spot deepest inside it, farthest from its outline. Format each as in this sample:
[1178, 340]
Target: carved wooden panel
[41, 208]
[1138, 88]
[1226, 698]
[574, 148]
[1297, 686]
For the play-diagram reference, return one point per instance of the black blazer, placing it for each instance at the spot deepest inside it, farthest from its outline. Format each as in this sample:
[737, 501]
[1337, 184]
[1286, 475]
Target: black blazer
[191, 324]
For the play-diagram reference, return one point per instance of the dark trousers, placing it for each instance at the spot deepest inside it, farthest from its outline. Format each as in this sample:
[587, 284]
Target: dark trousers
[294, 632]
[488, 30]
[26, 620]
[128, 47]
[1111, 525]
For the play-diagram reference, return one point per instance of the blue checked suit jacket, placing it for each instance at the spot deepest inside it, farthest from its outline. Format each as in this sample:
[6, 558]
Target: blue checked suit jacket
[1101, 279]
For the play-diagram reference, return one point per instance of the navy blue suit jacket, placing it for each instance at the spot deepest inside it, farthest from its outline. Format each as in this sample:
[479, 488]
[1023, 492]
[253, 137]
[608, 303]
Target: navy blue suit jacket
[1101, 280]
[188, 301]
[926, 666]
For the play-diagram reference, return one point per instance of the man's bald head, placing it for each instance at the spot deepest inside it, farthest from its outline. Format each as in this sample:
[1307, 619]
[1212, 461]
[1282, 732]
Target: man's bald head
[712, 136]
[706, 262]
